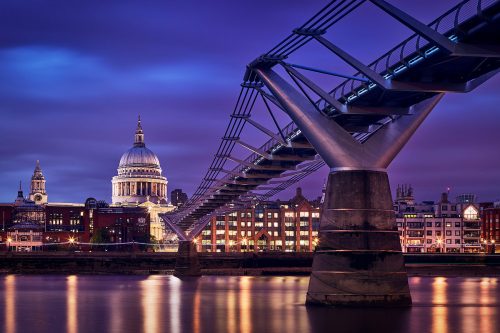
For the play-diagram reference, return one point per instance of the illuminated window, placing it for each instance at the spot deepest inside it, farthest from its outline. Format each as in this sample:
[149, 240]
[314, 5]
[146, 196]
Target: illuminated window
[470, 213]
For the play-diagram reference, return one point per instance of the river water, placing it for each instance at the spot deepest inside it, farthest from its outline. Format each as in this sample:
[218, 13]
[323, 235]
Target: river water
[123, 304]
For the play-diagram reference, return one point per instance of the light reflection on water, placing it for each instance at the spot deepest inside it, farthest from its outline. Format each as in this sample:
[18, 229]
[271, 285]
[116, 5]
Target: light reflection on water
[232, 304]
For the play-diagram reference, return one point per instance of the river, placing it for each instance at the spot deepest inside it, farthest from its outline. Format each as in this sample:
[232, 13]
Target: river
[75, 304]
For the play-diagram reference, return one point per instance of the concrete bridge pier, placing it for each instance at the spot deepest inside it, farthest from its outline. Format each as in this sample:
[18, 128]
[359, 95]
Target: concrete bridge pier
[358, 261]
[187, 263]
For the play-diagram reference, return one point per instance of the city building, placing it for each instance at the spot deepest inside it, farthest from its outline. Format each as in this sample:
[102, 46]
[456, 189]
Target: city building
[490, 231]
[139, 176]
[438, 227]
[288, 226]
[140, 183]
[178, 198]
[62, 226]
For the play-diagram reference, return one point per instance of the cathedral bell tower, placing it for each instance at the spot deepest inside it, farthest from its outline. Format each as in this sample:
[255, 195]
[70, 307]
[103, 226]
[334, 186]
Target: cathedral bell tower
[37, 188]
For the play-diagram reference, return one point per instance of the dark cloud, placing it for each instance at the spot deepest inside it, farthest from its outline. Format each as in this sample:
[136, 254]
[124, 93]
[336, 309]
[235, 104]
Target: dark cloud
[75, 75]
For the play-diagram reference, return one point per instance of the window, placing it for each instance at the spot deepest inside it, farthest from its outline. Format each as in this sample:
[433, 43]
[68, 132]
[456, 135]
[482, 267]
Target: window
[438, 233]
[444, 207]
[457, 224]
[448, 232]
[470, 213]
[457, 241]
[457, 232]
[399, 224]
[448, 241]
[438, 224]
[448, 224]
[429, 232]
[269, 215]
[304, 214]
[275, 224]
[429, 224]
[429, 241]
[275, 215]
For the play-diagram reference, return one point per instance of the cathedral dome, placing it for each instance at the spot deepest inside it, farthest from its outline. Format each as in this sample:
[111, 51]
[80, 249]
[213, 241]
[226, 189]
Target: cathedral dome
[139, 157]
[139, 177]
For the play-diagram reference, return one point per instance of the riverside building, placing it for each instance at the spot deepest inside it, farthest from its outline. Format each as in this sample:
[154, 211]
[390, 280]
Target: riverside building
[442, 227]
[284, 226]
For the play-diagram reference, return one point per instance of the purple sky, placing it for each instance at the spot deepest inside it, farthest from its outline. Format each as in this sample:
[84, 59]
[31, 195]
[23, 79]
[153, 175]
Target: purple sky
[74, 76]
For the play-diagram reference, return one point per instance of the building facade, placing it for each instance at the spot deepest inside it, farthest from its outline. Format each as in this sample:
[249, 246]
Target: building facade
[490, 231]
[178, 198]
[290, 226]
[442, 227]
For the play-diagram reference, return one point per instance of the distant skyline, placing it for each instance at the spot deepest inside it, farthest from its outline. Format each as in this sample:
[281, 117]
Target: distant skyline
[75, 76]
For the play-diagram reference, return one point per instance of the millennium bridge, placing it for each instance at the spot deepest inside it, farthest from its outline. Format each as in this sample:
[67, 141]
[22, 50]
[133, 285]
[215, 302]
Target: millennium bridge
[356, 123]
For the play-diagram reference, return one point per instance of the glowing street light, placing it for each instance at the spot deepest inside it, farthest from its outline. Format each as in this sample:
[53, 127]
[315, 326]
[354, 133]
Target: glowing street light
[71, 240]
[9, 240]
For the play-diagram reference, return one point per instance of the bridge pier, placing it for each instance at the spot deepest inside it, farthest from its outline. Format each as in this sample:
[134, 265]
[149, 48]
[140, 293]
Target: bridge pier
[358, 261]
[187, 262]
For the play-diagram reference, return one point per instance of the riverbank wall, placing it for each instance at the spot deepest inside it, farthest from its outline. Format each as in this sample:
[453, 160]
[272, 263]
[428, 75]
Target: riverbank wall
[227, 263]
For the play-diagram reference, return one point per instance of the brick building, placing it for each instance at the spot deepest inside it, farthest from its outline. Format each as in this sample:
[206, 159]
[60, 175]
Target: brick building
[266, 226]
[490, 231]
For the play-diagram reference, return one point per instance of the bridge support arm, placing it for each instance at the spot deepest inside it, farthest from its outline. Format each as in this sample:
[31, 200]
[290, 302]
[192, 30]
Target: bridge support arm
[331, 141]
[180, 234]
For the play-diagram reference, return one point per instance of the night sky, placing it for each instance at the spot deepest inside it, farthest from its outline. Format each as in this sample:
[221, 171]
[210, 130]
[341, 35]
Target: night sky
[75, 75]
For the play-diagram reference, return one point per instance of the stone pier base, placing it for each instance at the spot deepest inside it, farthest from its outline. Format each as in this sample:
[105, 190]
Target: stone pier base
[358, 261]
[187, 262]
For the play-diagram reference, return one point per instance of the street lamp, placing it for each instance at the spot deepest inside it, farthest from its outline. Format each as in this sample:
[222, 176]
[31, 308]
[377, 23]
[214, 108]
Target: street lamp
[9, 240]
[315, 241]
[439, 241]
[244, 242]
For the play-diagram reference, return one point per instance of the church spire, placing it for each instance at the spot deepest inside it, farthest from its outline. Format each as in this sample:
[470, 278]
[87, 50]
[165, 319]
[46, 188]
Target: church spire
[139, 134]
